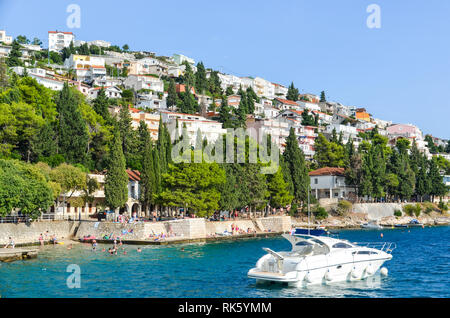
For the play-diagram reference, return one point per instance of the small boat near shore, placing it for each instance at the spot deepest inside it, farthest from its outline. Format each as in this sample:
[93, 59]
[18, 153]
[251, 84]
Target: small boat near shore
[415, 223]
[321, 260]
[373, 224]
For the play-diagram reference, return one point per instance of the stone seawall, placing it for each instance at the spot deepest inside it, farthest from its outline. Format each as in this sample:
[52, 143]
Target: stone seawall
[377, 211]
[183, 229]
[23, 233]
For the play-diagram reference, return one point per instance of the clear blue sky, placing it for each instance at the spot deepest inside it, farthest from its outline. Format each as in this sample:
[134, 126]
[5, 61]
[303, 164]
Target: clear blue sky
[400, 72]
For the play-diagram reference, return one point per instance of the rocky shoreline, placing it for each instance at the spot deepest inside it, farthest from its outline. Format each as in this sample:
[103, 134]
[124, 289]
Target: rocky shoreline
[354, 220]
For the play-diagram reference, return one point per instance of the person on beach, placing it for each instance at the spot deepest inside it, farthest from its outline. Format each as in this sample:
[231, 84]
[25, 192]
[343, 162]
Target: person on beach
[94, 245]
[11, 242]
[41, 239]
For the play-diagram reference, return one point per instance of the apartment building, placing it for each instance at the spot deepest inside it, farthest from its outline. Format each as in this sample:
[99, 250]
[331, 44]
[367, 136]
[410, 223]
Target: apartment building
[57, 40]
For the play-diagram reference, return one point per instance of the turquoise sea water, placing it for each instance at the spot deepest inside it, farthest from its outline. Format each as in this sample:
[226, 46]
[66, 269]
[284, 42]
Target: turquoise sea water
[419, 268]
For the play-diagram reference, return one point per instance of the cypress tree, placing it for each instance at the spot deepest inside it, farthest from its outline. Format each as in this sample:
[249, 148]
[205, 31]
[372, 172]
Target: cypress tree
[200, 78]
[100, 105]
[127, 134]
[171, 94]
[72, 131]
[295, 162]
[322, 96]
[116, 181]
[148, 181]
[224, 113]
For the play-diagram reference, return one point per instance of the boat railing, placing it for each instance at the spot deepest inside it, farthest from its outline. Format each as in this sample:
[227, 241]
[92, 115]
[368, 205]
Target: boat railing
[386, 247]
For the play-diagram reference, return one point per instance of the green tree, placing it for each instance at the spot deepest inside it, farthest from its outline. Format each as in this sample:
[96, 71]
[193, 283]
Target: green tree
[193, 186]
[292, 93]
[201, 83]
[171, 94]
[224, 113]
[116, 181]
[148, 184]
[322, 96]
[72, 130]
[100, 105]
[279, 190]
[296, 165]
[14, 56]
[23, 187]
[328, 154]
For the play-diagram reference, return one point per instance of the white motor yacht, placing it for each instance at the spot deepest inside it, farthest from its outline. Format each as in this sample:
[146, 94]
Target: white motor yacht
[318, 259]
[373, 224]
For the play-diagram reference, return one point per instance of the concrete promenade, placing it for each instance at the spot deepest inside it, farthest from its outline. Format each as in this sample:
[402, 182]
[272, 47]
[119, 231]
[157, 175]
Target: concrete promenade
[14, 254]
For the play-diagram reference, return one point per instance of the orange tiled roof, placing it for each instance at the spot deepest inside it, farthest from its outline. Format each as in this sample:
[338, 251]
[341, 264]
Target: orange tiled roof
[286, 101]
[328, 171]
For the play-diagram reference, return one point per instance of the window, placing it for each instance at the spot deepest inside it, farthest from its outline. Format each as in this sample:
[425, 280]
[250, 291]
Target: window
[341, 245]
[316, 181]
[304, 243]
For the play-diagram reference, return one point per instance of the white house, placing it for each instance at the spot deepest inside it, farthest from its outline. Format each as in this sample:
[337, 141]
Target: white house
[264, 88]
[284, 104]
[277, 129]
[329, 183]
[280, 90]
[210, 129]
[110, 92]
[57, 40]
[151, 101]
[179, 59]
[4, 38]
[139, 82]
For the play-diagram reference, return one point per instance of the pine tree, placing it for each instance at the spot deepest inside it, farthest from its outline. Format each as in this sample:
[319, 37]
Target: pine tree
[200, 78]
[229, 91]
[224, 114]
[14, 55]
[322, 96]
[72, 131]
[438, 187]
[116, 181]
[292, 93]
[423, 184]
[279, 190]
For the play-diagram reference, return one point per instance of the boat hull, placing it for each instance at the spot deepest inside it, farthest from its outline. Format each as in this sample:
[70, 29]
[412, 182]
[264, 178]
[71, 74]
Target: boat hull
[321, 275]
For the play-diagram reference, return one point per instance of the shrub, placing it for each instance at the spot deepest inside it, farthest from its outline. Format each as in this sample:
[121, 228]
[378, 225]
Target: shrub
[408, 209]
[320, 212]
[417, 209]
[428, 207]
[442, 206]
[293, 210]
[344, 207]
[398, 213]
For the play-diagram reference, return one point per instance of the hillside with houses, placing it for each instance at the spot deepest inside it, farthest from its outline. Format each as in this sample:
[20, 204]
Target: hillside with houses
[133, 105]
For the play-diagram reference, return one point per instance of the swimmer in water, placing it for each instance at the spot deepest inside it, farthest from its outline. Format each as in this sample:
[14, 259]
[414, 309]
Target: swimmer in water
[182, 249]
[139, 250]
[69, 247]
